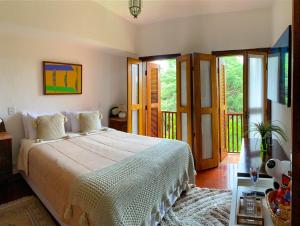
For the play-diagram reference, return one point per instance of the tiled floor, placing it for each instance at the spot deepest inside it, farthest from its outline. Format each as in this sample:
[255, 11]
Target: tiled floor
[222, 177]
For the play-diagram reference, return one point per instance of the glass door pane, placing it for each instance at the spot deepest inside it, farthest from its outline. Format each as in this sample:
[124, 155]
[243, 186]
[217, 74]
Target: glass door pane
[255, 90]
[183, 84]
[206, 127]
[205, 80]
[135, 83]
[184, 125]
[135, 122]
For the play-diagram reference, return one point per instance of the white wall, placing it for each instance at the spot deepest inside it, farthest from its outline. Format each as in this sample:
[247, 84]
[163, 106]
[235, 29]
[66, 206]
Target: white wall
[281, 18]
[104, 76]
[81, 19]
[205, 33]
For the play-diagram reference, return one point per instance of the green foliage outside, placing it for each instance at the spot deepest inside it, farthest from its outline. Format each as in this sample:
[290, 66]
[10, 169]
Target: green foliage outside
[168, 96]
[234, 100]
[234, 83]
[168, 85]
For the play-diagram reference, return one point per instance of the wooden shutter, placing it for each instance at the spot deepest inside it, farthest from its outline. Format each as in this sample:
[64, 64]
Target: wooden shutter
[184, 99]
[222, 101]
[153, 101]
[135, 96]
[206, 117]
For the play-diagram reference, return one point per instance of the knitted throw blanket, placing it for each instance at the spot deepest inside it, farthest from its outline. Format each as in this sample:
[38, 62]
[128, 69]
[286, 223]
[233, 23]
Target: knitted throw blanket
[133, 190]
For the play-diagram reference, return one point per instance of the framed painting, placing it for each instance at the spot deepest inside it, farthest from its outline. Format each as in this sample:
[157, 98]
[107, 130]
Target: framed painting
[62, 78]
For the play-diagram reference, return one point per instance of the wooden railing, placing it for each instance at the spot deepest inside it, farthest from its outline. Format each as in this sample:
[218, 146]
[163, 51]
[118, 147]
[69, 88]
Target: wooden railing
[169, 124]
[234, 129]
[234, 132]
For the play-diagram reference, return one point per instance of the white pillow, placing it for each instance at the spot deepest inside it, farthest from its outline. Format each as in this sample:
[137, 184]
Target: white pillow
[30, 124]
[75, 123]
[51, 127]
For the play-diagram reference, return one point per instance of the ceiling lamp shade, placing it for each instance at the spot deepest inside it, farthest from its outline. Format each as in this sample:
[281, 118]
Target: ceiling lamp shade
[135, 7]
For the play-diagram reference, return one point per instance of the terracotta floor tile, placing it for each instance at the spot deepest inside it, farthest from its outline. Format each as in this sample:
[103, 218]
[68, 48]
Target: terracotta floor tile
[222, 177]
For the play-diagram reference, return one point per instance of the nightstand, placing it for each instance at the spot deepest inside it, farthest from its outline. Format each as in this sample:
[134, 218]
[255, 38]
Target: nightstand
[5, 155]
[244, 184]
[118, 123]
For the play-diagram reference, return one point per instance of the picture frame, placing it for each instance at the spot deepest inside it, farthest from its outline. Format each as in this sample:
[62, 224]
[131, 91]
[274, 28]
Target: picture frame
[62, 78]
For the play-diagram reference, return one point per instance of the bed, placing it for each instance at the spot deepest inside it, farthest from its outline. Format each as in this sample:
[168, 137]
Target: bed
[60, 172]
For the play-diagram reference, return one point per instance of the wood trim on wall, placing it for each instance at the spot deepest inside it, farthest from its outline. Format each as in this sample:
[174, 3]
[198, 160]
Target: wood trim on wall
[160, 57]
[296, 114]
[238, 51]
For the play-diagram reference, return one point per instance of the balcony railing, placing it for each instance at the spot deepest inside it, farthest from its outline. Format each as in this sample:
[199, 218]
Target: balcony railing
[234, 132]
[234, 129]
[169, 124]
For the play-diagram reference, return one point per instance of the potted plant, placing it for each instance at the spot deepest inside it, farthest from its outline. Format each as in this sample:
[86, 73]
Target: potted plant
[265, 130]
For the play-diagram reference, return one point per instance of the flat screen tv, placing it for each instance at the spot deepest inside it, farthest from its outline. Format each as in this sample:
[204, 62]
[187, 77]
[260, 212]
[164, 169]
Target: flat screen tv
[279, 69]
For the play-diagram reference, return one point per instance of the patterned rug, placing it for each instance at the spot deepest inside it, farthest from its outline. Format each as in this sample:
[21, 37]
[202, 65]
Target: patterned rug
[27, 211]
[199, 207]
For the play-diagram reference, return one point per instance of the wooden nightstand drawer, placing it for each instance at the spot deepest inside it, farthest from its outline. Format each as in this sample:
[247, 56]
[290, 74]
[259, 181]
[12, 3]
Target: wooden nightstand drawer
[4, 145]
[118, 123]
[5, 155]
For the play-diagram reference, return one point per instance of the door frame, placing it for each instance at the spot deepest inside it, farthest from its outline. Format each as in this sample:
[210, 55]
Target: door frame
[244, 53]
[295, 113]
[145, 60]
[139, 106]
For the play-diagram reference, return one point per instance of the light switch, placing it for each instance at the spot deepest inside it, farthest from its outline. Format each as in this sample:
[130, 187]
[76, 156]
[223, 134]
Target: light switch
[11, 110]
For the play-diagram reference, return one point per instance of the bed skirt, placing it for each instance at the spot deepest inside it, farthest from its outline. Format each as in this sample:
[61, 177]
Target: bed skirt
[163, 209]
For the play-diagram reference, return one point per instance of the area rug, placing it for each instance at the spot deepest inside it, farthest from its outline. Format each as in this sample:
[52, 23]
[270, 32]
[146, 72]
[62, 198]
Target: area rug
[200, 207]
[27, 211]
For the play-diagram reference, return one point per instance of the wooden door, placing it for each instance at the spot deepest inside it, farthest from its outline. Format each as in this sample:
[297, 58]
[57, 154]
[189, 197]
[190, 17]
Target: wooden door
[222, 102]
[206, 117]
[255, 90]
[184, 99]
[153, 109]
[135, 96]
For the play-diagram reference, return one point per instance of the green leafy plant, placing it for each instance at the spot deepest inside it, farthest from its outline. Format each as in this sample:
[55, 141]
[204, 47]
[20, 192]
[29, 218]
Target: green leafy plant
[266, 130]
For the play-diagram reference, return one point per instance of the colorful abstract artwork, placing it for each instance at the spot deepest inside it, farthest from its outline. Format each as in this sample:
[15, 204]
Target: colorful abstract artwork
[62, 78]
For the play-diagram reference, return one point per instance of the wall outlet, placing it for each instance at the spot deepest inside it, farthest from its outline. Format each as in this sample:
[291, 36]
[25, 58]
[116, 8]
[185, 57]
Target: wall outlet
[11, 110]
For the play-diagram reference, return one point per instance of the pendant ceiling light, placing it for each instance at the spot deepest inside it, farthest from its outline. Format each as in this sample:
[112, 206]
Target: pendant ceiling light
[135, 7]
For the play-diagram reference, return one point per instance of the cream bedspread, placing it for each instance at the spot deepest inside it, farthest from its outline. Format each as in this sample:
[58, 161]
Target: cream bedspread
[53, 166]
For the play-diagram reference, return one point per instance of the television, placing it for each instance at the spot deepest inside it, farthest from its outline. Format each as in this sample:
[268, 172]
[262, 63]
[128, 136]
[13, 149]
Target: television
[279, 69]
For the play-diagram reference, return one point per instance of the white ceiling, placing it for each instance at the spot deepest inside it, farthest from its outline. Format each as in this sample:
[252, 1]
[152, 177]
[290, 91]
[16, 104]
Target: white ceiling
[160, 10]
